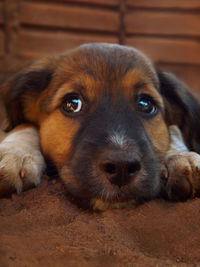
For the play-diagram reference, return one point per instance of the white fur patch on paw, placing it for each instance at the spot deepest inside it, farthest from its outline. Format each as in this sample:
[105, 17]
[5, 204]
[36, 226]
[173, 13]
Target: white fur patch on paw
[21, 167]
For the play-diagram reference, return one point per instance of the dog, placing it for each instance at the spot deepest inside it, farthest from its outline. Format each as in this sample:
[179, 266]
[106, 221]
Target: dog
[103, 115]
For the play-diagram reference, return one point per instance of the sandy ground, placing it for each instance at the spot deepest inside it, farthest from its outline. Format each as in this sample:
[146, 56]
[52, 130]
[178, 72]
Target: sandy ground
[42, 227]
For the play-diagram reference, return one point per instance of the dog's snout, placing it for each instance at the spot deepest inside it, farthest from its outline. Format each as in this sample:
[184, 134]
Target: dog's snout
[120, 167]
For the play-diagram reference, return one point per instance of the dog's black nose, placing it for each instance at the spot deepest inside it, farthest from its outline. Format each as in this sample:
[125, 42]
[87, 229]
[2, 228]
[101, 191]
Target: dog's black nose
[120, 167]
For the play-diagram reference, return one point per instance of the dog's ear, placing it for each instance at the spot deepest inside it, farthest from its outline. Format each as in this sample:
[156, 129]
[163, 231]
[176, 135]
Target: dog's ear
[20, 94]
[182, 108]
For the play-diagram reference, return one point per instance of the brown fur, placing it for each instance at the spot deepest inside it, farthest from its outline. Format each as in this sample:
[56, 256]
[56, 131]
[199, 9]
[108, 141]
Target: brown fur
[63, 128]
[36, 95]
[43, 109]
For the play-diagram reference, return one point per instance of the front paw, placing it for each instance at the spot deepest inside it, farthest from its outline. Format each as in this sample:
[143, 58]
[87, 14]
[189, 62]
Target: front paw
[20, 168]
[181, 175]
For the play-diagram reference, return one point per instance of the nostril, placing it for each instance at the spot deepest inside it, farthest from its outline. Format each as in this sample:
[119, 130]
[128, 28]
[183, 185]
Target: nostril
[119, 167]
[109, 168]
[133, 167]
[130, 168]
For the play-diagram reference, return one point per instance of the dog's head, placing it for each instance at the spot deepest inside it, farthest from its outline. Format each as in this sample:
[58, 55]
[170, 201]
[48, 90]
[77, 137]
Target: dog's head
[103, 112]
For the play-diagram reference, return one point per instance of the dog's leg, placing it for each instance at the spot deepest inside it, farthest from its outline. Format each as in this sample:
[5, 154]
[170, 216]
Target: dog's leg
[181, 174]
[21, 162]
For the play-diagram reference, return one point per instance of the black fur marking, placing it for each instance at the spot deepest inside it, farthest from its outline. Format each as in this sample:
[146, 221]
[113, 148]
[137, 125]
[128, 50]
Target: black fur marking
[21, 84]
[178, 95]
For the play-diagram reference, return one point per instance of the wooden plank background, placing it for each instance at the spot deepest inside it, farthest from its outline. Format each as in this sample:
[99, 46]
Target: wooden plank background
[167, 31]
[2, 40]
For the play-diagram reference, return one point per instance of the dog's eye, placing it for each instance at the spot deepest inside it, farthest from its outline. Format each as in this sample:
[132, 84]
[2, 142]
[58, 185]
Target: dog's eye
[146, 105]
[72, 103]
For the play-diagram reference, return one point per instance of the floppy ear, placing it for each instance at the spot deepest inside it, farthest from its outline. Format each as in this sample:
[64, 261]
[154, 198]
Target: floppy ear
[182, 108]
[20, 94]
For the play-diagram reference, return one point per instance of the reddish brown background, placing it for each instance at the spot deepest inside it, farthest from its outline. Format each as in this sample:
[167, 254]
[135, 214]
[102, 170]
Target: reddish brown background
[167, 31]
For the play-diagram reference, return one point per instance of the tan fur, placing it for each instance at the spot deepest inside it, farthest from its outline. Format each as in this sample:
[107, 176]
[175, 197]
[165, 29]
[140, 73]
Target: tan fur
[156, 128]
[62, 129]
[72, 72]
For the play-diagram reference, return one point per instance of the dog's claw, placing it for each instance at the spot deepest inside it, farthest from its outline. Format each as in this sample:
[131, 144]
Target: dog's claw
[186, 171]
[164, 174]
[23, 173]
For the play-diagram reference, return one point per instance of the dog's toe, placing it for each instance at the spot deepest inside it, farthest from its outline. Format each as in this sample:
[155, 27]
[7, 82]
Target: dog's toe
[182, 175]
[19, 169]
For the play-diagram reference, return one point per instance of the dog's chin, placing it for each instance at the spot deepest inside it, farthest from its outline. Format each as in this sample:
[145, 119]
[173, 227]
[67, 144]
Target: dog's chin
[107, 199]
[102, 205]
[125, 197]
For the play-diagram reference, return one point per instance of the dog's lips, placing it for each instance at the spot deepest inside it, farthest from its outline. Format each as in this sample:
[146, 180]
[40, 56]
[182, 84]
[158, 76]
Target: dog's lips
[116, 193]
[97, 186]
[114, 198]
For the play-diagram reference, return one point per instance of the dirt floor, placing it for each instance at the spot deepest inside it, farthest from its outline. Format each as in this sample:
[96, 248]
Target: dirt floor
[42, 227]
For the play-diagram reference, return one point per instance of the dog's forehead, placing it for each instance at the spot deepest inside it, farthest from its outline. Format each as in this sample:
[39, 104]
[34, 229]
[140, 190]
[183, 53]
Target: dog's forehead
[103, 70]
[110, 61]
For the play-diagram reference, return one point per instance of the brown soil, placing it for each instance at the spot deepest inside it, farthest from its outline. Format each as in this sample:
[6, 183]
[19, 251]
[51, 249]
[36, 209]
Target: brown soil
[41, 227]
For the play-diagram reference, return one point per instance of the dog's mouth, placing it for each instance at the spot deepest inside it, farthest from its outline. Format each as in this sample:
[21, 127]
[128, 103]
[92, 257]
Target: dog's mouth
[99, 193]
[114, 197]
[129, 195]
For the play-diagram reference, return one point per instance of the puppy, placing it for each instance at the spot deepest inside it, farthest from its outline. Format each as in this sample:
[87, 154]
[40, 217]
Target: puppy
[103, 113]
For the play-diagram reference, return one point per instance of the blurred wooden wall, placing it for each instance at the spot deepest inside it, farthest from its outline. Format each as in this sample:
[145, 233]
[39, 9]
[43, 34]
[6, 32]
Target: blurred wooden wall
[168, 31]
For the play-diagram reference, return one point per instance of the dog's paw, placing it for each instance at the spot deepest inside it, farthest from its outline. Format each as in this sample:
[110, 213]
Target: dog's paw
[181, 175]
[20, 168]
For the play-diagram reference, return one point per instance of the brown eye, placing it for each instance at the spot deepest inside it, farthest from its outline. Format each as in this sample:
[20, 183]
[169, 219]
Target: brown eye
[146, 105]
[72, 103]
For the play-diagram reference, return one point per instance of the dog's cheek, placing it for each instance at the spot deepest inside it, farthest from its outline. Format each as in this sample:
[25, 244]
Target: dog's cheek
[159, 134]
[56, 134]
